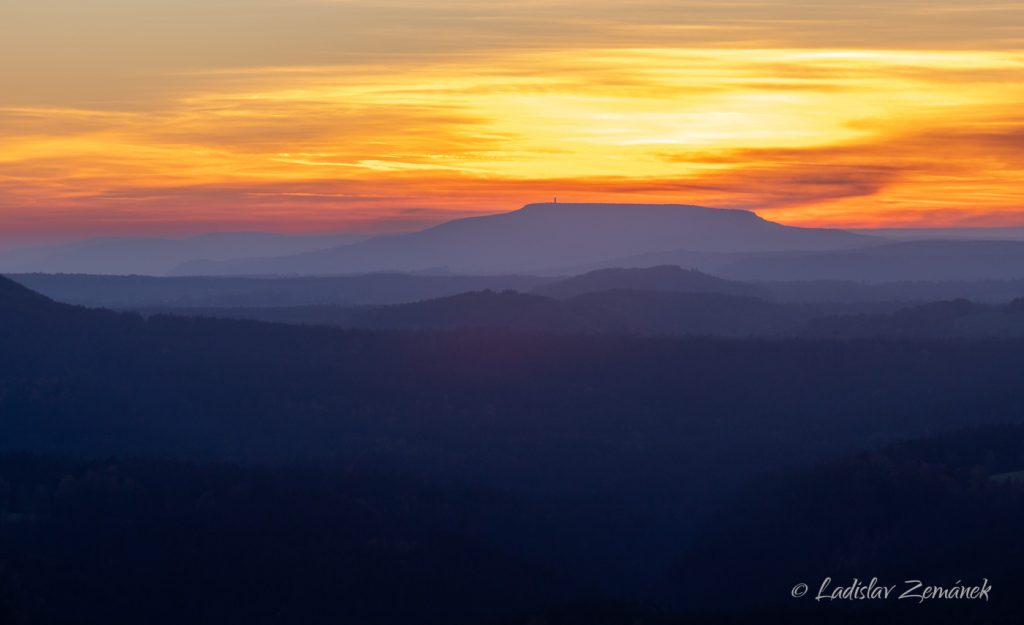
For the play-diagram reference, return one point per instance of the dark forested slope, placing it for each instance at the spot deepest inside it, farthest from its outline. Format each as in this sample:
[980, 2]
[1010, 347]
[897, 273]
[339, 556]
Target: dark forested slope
[959, 319]
[78, 378]
[612, 449]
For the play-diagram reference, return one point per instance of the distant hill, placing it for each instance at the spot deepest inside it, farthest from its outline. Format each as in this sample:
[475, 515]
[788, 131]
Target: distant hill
[547, 238]
[621, 311]
[19, 299]
[612, 450]
[483, 309]
[694, 314]
[200, 292]
[652, 313]
[947, 261]
[950, 319]
[19, 304]
[916, 291]
[120, 383]
[158, 256]
[317, 299]
[910, 260]
[30, 323]
[661, 278]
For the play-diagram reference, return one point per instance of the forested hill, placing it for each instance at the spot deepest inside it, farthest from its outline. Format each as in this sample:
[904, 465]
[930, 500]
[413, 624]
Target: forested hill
[947, 319]
[939, 509]
[662, 278]
[20, 303]
[617, 311]
[82, 379]
[120, 541]
[610, 450]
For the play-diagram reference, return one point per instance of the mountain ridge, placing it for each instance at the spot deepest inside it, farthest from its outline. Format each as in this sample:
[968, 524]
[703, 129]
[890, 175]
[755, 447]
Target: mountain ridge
[657, 278]
[546, 238]
[154, 255]
[15, 297]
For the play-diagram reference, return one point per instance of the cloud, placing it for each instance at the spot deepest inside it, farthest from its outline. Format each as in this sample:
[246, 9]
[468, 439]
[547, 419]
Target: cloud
[281, 112]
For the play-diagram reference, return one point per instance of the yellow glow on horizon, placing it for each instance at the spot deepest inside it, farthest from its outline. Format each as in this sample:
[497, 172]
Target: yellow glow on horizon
[822, 137]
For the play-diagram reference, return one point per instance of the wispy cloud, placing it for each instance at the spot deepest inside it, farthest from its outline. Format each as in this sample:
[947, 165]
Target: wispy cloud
[278, 113]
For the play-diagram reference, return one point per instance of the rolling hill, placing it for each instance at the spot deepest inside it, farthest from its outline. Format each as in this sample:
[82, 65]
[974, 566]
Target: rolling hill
[157, 255]
[192, 292]
[614, 445]
[958, 319]
[947, 261]
[616, 311]
[660, 278]
[909, 260]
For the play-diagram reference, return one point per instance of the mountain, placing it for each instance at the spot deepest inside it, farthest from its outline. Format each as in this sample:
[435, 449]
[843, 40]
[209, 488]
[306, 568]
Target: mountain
[158, 256]
[948, 261]
[910, 260]
[621, 311]
[612, 451]
[95, 381]
[317, 299]
[669, 313]
[547, 238]
[615, 312]
[895, 293]
[17, 299]
[483, 309]
[660, 278]
[191, 292]
[19, 305]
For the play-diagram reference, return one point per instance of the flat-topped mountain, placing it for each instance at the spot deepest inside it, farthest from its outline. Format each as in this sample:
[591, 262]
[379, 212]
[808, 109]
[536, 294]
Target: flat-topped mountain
[548, 237]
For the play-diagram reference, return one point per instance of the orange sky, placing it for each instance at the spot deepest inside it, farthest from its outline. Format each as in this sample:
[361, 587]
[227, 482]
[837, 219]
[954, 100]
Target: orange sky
[301, 115]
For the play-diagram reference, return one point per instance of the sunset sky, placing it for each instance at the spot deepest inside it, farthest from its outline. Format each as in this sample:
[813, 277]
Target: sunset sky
[182, 116]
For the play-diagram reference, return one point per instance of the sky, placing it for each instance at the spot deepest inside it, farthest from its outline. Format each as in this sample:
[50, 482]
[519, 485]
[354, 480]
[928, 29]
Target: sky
[185, 116]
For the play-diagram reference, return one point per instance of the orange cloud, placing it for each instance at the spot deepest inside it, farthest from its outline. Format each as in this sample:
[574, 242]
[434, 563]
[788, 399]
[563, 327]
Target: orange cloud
[808, 115]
